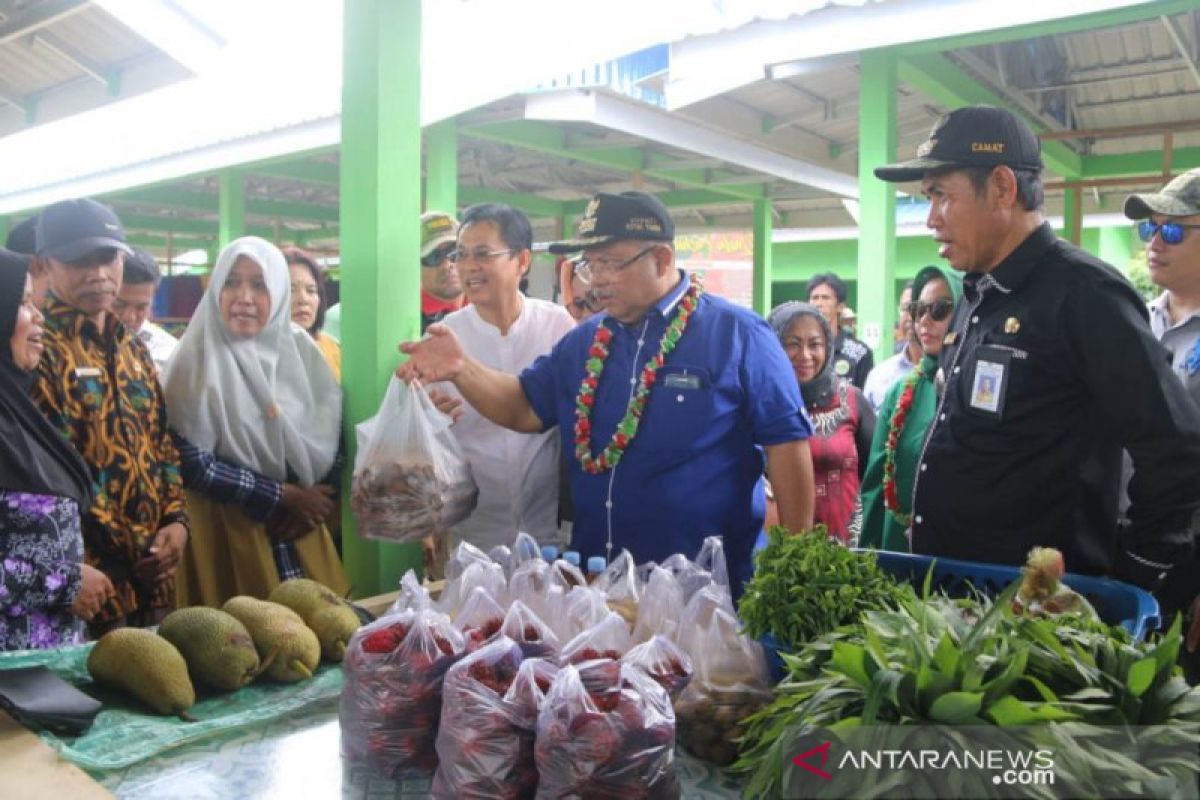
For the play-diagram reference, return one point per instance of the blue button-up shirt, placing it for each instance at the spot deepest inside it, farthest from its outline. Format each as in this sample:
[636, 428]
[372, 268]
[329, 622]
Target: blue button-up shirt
[695, 467]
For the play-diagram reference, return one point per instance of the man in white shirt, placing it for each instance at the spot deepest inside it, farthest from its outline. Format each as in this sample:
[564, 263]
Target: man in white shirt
[134, 302]
[517, 473]
[896, 367]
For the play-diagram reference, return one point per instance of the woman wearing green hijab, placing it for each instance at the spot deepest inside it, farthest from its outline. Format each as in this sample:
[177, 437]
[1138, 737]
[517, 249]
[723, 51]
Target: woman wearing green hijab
[904, 417]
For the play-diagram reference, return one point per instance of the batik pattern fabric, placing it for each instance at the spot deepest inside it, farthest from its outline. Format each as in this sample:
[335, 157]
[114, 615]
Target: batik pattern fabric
[41, 549]
[99, 387]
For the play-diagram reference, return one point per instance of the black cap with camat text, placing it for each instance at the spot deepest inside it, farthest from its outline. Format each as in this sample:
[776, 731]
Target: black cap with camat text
[974, 136]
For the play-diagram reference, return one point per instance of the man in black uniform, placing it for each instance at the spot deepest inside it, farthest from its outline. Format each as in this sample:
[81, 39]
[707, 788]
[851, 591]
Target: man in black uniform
[1048, 370]
[852, 359]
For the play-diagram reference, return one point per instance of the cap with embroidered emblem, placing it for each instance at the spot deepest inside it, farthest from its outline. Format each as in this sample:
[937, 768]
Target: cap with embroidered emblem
[973, 136]
[1179, 198]
[71, 229]
[437, 228]
[613, 217]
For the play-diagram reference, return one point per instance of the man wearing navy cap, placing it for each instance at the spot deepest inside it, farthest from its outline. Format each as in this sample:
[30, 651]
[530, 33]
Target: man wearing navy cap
[1049, 369]
[667, 401]
[97, 383]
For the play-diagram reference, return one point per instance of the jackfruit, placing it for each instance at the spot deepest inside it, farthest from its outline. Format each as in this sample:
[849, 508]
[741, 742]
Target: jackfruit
[330, 617]
[216, 646]
[145, 665]
[283, 640]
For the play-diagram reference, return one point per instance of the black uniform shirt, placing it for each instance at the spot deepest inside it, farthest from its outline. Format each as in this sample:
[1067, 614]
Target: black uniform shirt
[852, 359]
[1049, 369]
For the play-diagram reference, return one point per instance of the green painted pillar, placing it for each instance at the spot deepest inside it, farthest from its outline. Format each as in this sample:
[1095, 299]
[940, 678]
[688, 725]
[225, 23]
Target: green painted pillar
[877, 201]
[231, 205]
[441, 167]
[762, 256]
[5, 225]
[380, 185]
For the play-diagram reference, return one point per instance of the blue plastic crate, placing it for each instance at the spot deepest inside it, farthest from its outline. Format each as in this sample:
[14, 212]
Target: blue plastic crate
[1117, 603]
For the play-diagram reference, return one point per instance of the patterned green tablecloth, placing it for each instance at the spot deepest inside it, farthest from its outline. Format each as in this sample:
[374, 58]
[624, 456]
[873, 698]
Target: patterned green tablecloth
[297, 757]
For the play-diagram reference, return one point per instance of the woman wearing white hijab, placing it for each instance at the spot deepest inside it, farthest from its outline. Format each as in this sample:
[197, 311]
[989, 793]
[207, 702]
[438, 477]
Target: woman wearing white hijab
[256, 414]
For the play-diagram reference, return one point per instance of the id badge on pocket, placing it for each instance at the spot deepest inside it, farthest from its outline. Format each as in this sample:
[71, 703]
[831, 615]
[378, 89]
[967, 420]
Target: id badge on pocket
[989, 383]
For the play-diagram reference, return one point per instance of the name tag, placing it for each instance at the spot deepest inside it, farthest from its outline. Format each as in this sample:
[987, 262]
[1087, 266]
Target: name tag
[681, 380]
[987, 386]
[87, 372]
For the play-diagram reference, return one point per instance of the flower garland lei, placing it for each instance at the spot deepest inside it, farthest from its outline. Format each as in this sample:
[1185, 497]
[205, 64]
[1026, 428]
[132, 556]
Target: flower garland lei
[628, 427]
[891, 497]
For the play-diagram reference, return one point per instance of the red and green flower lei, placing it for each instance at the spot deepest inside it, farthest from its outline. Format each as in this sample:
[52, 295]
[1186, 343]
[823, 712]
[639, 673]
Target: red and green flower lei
[891, 497]
[628, 427]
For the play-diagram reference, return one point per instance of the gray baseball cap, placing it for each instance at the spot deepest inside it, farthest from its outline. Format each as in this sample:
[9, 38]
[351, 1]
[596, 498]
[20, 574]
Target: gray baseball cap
[1179, 198]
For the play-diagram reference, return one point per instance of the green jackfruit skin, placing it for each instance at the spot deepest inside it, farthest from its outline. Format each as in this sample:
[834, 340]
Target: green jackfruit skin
[324, 612]
[217, 647]
[144, 665]
[284, 642]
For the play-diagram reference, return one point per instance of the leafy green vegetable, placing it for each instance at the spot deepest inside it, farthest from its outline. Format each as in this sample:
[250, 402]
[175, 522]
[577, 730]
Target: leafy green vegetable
[1072, 682]
[807, 584]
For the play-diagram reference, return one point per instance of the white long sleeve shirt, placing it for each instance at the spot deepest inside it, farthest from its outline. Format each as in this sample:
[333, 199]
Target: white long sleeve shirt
[517, 473]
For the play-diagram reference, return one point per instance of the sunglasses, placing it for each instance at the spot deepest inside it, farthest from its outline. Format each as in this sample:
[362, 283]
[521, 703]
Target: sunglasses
[938, 310]
[437, 256]
[1169, 232]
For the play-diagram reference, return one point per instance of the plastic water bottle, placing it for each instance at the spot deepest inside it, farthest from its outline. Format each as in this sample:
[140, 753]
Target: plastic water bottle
[595, 567]
[572, 558]
[549, 553]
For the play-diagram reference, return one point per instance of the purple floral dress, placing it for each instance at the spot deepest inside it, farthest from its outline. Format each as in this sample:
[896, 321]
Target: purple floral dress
[41, 549]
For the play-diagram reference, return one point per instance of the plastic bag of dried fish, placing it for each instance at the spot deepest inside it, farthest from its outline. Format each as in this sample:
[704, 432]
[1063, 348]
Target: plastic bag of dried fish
[411, 479]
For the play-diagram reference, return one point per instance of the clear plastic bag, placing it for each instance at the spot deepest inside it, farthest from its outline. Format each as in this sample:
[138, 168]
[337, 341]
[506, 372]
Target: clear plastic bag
[478, 743]
[413, 595]
[730, 683]
[618, 744]
[411, 478]
[664, 661]
[661, 607]
[464, 555]
[697, 616]
[583, 608]
[620, 586]
[525, 549]
[711, 559]
[479, 619]
[503, 556]
[532, 582]
[536, 638]
[488, 575]
[392, 696]
[608, 639]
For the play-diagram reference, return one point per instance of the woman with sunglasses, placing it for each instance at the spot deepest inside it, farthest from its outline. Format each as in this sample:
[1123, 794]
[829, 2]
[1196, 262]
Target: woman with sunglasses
[843, 421]
[904, 416]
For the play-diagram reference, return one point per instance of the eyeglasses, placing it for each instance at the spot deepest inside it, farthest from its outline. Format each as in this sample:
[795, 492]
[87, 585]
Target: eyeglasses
[438, 256]
[588, 303]
[938, 310]
[479, 256]
[1169, 232]
[587, 270]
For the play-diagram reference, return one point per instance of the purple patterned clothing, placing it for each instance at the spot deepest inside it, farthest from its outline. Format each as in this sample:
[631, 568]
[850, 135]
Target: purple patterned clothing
[41, 549]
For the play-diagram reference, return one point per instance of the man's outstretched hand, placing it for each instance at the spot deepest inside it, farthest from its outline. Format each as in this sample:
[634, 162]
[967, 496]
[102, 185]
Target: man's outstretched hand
[437, 357]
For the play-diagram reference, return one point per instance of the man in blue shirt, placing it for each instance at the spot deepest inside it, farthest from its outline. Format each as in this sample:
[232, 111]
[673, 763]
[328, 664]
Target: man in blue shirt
[662, 451]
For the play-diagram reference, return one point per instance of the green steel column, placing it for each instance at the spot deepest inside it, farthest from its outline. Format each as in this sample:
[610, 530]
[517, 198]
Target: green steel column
[380, 188]
[762, 256]
[231, 213]
[5, 225]
[877, 201]
[441, 167]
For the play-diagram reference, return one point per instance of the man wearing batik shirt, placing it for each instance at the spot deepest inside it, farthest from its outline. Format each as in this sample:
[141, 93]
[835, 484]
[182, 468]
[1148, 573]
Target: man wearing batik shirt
[97, 384]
